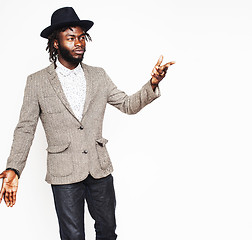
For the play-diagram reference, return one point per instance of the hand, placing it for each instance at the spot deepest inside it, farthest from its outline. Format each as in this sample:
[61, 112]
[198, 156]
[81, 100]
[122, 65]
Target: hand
[9, 187]
[158, 72]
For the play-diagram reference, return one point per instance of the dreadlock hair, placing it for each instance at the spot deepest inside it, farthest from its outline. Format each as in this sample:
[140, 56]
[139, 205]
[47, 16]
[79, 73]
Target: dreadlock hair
[55, 36]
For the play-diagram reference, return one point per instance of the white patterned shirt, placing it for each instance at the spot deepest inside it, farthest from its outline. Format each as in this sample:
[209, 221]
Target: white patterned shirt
[73, 83]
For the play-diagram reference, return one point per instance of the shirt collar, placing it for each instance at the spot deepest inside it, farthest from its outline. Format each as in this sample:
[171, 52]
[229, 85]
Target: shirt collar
[66, 71]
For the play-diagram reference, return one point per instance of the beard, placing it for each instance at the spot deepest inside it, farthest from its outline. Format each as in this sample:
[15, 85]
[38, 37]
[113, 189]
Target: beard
[66, 55]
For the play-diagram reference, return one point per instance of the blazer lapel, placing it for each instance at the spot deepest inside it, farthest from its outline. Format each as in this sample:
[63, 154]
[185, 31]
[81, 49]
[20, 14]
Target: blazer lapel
[88, 78]
[55, 82]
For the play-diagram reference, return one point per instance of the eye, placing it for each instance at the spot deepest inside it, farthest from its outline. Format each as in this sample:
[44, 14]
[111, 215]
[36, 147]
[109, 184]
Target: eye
[70, 39]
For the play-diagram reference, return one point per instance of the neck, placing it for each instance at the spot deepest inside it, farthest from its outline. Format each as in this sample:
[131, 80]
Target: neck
[69, 65]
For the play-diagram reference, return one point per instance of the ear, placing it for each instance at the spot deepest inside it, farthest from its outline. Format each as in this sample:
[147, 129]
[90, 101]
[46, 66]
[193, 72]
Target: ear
[56, 44]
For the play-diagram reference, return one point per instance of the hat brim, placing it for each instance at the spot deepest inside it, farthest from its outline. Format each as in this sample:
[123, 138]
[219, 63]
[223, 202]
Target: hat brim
[86, 24]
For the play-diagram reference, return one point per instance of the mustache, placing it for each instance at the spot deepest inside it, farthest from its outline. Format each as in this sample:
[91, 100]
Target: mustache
[79, 48]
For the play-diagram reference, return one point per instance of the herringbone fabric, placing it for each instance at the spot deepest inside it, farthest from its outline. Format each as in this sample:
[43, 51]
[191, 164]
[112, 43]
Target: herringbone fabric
[75, 148]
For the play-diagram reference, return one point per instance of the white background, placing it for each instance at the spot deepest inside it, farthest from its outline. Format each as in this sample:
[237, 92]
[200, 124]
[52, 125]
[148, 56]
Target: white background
[183, 164]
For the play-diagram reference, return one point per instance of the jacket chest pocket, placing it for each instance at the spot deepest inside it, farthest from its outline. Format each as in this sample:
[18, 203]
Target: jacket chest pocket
[102, 153]
[51, 104]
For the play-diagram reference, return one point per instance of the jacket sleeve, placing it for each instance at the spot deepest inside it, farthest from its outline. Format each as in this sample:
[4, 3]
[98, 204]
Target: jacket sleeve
[134, 103]
[25, 129]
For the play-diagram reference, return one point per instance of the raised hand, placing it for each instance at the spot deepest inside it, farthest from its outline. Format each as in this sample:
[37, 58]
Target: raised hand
[158, 72]
[9, 187]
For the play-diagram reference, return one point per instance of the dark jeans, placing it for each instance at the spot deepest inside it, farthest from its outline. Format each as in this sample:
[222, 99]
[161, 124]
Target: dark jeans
[69, 204]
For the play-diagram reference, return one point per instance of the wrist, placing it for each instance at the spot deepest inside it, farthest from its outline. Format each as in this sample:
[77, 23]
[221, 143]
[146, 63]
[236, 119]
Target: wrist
[153, 85]
[14, 170]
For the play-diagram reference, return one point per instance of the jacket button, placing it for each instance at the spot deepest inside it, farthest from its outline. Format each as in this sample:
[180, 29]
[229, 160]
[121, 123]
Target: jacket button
[81, 127]
[85, 151]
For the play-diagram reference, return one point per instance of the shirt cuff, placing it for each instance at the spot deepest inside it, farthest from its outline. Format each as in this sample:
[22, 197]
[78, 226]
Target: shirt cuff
[157, 91]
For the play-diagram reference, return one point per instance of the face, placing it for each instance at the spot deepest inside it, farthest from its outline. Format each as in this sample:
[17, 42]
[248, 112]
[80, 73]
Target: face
[71, 46]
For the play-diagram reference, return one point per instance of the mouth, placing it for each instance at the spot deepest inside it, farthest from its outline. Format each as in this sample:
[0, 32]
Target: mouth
[79, 51]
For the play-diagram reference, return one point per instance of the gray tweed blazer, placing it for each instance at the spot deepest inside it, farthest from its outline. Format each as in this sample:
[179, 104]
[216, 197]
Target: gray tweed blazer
[75, 148]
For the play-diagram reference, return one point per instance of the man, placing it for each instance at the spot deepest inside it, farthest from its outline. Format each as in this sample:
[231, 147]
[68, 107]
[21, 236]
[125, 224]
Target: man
[70, 99]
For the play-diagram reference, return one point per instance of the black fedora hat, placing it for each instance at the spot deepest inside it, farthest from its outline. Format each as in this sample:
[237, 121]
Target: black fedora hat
[64, 17]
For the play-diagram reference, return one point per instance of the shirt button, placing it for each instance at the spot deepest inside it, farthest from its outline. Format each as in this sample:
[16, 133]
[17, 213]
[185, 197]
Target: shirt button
[85, 151]
[81, 127]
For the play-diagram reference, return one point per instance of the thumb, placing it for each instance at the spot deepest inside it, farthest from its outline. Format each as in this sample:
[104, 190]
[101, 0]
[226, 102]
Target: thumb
[2, 175]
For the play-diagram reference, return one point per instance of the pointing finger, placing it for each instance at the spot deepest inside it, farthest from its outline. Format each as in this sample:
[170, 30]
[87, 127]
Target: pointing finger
[166, 66]
[6, 199]
[169, 64]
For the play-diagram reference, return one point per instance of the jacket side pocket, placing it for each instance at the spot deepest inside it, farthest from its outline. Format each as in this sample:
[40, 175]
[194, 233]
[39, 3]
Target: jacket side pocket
[59, 162]
[102, 153]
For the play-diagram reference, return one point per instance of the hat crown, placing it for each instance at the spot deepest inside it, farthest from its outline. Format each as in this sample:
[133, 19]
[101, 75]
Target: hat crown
[64, 17]
[65, 14]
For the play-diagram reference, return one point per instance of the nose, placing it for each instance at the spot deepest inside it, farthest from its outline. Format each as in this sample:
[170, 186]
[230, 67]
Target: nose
[77, 42]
